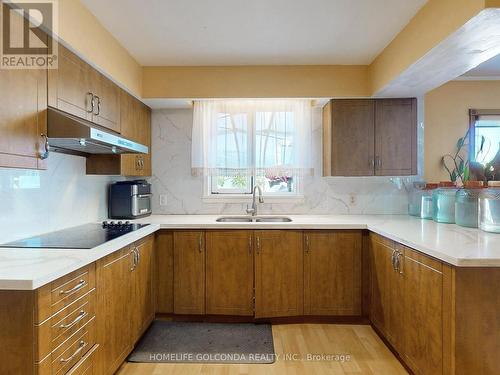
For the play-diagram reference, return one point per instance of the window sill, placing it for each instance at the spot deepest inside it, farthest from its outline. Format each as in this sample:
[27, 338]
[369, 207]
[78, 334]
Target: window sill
[247, 198]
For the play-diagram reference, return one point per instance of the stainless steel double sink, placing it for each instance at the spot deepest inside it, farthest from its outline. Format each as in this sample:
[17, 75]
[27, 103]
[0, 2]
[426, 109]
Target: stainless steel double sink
[253, 219]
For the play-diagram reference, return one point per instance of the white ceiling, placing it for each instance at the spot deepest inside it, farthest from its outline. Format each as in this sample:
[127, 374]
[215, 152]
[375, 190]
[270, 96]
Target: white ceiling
[488, 69]
[254, 32]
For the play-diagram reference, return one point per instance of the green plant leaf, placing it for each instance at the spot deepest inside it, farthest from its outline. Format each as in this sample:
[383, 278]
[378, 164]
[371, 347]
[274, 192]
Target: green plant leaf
[460, 170]
[466, 174]
[453, 176]
[460, 143]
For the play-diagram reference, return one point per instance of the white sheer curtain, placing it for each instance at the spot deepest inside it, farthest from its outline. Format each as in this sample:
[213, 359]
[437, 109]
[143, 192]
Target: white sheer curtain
[270, 137]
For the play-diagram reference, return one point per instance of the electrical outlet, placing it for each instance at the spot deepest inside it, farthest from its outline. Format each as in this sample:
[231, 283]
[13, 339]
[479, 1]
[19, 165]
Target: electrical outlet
[163, 199]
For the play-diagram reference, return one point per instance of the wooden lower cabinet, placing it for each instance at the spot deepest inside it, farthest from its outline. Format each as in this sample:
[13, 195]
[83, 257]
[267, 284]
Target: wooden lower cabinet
[189, 272]
[386, 286]
[332, 272]
[423, 341]
[114, 303]
[164, 272]
[230, 273]
[279, 280]
[143, 298]
[408, 303]
[125, 302]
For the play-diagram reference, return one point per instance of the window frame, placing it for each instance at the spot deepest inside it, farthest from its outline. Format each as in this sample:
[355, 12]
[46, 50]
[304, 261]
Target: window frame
[210, 191]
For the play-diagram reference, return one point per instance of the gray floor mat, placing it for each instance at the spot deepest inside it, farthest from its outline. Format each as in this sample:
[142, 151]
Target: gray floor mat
[180, 342]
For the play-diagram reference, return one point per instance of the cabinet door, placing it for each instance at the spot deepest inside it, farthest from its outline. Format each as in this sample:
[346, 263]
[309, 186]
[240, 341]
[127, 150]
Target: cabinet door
[230, 272]
[423, 313]
[113, 310]
[70, 85]
[164, 271]
[352, 137]
[143, 295]
[22, 118]
[107, 111]
[332, 274]
[386, 300]
[395, 137]
[279, 279]
[135, 125]
[189, 272]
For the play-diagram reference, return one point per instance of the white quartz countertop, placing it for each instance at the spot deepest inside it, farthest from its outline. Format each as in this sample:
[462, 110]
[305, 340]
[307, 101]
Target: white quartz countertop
[29, 269]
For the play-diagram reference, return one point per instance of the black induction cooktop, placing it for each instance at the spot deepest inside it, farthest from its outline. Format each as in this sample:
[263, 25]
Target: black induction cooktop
[85, 236]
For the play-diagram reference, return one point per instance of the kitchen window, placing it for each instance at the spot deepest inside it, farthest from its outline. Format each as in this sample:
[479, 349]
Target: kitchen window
[238, 144]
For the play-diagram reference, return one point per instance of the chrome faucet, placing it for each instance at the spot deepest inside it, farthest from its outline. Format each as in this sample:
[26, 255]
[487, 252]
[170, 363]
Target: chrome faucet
[253, 210]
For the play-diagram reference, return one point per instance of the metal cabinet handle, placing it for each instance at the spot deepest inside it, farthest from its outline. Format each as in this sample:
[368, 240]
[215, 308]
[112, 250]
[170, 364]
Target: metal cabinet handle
[200, 243]
[89, 97]
[399, 263]
[44, 155]
[98, 106]
[378, 162]
[258, 245]
[78, 286]
[371, 162]
[79, 317]
[250, 245]
[81, 345]
[393, 260]
[134, 259]
[138, 255]
[307, 244]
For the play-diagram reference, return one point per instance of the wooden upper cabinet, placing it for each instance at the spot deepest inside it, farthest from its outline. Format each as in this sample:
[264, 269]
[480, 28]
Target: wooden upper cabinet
[135, 120]
[279, 279]
[23, 115]
[352, 137]
[423, 312]
[189, 272]
[70, 85]
[77, 88]
[366, 137]
[23, 118]
[230, 273]
[395, 137]
[332, 272]
[143, 298]
[107, 101]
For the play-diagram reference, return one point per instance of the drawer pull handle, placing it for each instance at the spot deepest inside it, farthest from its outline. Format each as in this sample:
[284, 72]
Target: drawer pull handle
[80, 316]
[82, 345]
[78, 286]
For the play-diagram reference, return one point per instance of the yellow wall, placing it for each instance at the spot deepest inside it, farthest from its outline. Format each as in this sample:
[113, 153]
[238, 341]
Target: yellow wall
[255, 81]
[436, 20]
[447, 118]
[83, 32]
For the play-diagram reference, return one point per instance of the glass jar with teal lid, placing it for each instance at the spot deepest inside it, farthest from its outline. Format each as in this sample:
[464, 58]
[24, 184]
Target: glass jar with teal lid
[443, 202]
[467, 204]
[426, 204]
[489, 208]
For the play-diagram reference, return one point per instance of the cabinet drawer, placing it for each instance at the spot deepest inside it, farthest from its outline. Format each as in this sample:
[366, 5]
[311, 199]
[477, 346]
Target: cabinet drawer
[71, 288]
[86, 365]
[73, 349]
[54, 331]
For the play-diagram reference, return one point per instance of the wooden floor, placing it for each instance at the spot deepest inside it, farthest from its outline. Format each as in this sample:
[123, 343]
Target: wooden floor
[368, 354]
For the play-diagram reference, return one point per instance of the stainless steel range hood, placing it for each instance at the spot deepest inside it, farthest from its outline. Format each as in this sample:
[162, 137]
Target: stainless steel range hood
[70, 134]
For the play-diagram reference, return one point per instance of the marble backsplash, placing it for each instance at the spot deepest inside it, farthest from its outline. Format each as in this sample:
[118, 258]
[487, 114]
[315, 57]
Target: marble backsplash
[171, 145]
[62, 196]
